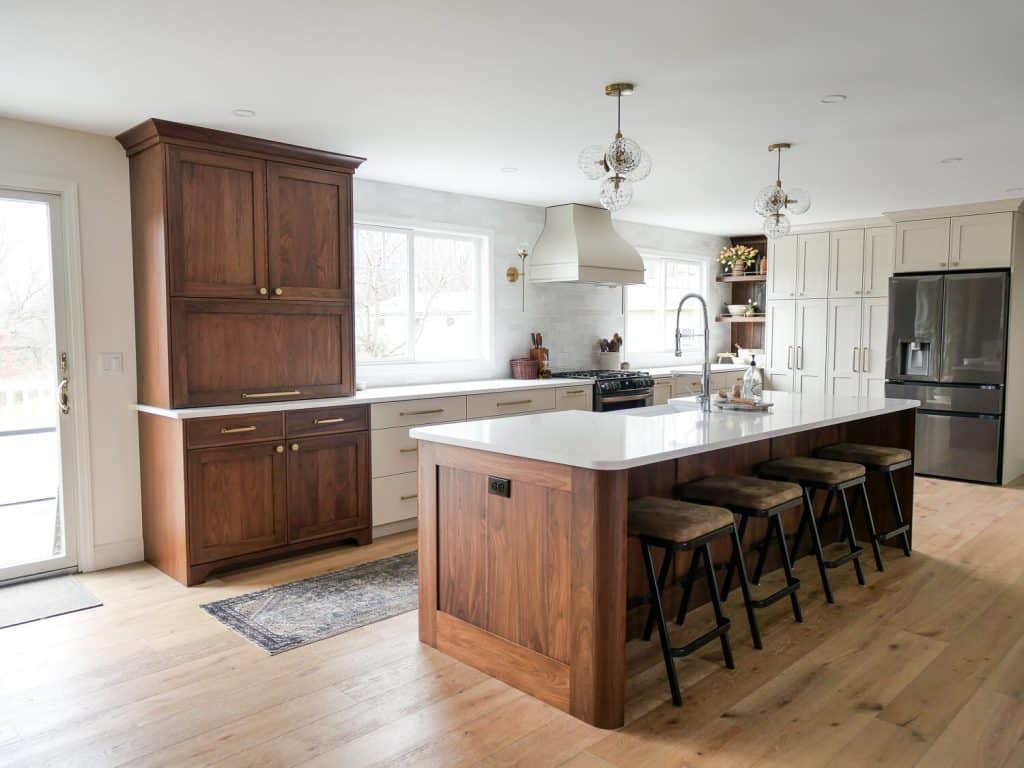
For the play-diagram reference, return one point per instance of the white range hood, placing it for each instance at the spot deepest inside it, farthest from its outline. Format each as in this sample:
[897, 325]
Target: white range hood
[580, 245]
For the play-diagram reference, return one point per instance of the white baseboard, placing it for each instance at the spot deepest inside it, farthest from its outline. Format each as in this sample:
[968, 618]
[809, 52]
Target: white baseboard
[389, 529]
[113, 554]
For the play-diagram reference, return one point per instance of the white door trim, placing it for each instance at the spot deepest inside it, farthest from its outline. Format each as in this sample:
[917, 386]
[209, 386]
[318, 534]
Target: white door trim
[67, 190]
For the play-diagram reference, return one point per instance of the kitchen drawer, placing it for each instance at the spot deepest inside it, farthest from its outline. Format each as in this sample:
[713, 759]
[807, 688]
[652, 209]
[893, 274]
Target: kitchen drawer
[662, 392]
[233, 430]
[579, 398]
[508, 403]
[413, 413]
[394, 498]
[326, 421]
[683, 386]
[392, 452]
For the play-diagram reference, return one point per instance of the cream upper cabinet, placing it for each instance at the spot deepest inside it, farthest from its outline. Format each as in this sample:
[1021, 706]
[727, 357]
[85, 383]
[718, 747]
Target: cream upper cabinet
[874, 335]
[779, 344]
[782, 259]
[812, 266]
[809, 359]
[922, 245]
[846, 264]
[981, 241]
[842, 376]
[879, 259]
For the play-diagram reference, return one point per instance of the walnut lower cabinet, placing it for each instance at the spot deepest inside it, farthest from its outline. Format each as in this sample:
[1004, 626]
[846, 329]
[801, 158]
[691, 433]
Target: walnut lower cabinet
[224, 492]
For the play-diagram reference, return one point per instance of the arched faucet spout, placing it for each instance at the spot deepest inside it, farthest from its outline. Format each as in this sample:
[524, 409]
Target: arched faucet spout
[705, 396]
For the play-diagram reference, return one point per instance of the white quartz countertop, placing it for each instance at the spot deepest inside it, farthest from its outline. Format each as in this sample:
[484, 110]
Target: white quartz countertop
[693, 370]
[633, 438]
[372, 395]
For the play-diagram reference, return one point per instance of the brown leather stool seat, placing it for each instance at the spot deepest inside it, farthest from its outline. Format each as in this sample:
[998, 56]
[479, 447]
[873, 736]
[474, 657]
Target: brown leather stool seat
[675, 521]
[868, 455]
[805, 469]
[742, 491]
[678, 526]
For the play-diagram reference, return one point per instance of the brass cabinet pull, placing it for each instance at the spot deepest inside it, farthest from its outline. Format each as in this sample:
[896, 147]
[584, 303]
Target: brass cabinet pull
[278, 291]
[410, 496]
[279, 449]
[515, 402]
[575, 391]
[336, 420]
[408, 450]
[956, 263]
[295, 446]
[421, 413]
[251, 395]
[236, 430]
[263, 291]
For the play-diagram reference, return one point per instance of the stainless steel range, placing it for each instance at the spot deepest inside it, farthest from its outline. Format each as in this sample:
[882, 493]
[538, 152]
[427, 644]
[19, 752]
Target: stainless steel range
[617, 390]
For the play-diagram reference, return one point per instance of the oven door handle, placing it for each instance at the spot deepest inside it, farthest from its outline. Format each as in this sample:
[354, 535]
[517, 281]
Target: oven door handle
[626, 398]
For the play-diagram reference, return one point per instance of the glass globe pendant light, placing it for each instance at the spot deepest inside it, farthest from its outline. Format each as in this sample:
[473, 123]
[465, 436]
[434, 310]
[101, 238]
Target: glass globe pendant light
[773, 202]
[621, 163]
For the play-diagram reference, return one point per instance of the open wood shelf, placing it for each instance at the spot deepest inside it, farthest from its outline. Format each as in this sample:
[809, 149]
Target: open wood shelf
[748, 278]
[739, 319]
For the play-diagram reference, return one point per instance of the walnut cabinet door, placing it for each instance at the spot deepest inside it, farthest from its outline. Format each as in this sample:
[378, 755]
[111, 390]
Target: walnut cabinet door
[328, 485]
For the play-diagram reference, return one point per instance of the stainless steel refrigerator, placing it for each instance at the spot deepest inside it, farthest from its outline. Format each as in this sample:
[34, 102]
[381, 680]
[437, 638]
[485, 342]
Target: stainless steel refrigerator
[947, 348]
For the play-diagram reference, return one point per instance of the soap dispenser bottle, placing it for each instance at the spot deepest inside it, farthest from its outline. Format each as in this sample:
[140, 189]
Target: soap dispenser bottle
[753, 384]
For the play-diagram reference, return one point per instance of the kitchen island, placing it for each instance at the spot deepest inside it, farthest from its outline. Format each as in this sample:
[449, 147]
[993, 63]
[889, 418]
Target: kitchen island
[525, 568]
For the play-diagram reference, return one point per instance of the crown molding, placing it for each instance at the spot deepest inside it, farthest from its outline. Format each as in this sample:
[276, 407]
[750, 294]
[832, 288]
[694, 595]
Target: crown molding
[1009, 205]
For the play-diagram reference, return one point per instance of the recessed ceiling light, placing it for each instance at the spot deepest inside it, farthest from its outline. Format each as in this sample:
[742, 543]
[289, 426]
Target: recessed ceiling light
[509, 169]
[833, 98]
[950, 160]
[243, 113]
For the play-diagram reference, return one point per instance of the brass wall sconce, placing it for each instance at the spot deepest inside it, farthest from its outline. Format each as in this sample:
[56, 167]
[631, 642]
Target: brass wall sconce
[512, 274]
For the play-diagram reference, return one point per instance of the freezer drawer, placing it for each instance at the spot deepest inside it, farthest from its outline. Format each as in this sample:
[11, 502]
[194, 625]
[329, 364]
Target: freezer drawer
[958, 447]
[935, 397]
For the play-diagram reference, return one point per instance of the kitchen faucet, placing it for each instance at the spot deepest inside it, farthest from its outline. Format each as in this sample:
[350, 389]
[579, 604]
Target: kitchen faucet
[705, 376]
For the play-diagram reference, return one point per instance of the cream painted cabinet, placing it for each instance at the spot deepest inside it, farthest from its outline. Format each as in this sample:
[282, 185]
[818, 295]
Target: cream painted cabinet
[684, 385]
[662, 391]
[809, 353]
[782, 261]
[842, 375]
[879, 259]
[922, 245]
[780, 325]
[981, 241]
[874, 336]
[812, 266]
[575, 398]
[846, 264]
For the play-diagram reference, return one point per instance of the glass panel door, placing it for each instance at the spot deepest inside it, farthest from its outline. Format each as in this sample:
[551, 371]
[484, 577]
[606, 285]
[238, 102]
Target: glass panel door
[34, 372]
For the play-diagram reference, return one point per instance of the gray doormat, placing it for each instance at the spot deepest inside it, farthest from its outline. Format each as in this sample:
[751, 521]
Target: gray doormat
[289, 615]
[35, 600]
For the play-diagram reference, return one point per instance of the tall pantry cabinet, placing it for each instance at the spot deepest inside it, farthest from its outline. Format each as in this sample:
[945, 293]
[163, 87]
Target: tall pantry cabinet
[242, 253]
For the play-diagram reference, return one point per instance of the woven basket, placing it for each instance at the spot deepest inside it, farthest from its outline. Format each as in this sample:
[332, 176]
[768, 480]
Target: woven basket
[524, 368]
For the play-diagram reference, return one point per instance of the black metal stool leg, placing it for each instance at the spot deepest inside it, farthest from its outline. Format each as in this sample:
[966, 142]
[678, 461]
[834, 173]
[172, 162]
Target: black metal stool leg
[872, 532]
[762, 554]
[899, 514]
[666, 648]
[738, 554]
[787, 567]
[737, 559]
[851, 536]
[666, 566]
[691, 576]
[816, 543]
[716, 603]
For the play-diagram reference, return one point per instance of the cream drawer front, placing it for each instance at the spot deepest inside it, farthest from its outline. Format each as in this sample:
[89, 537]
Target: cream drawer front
[662, 392]
[574, 398]
[508, 403]
[413, 413]
[392, 452]
[394, 498]
[684, 386]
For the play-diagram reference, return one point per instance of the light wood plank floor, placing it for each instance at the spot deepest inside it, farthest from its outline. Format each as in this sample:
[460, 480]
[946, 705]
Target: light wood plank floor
[925, 666]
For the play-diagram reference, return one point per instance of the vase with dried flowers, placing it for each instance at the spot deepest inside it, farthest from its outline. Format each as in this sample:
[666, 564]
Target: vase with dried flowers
[736, 258]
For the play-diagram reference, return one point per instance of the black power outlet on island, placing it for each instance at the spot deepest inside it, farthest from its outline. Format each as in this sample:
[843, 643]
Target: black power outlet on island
[499, 486]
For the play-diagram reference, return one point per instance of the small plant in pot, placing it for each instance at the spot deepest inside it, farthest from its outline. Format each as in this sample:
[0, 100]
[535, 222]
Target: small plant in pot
[736, 258]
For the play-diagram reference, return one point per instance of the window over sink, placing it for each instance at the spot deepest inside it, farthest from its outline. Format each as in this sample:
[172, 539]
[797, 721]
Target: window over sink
[651, 307]
[421, 296]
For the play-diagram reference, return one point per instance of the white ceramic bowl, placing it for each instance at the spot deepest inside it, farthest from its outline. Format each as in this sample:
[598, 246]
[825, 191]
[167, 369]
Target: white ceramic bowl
[736, 310]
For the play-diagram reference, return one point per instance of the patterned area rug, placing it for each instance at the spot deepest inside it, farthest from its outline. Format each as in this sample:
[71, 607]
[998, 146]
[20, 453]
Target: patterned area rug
[289, 615]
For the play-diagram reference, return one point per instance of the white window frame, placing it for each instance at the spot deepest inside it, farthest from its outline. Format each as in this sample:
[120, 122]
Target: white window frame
[484, 298]
[693, 343]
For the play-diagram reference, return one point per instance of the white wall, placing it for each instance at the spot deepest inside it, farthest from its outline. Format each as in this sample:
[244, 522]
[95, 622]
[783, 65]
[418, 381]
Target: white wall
[571, 317]
[100, 169]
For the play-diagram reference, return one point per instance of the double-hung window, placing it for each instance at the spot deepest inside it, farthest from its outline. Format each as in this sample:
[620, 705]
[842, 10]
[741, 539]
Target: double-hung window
[420, 295]
[651, 307]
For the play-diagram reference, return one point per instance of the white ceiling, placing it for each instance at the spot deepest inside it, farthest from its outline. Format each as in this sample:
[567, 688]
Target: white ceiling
[445, 94]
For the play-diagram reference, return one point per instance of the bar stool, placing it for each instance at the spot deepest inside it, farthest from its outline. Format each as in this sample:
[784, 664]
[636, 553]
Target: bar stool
[753, 497]
[678, 526]
[882, 459]
[834, 477]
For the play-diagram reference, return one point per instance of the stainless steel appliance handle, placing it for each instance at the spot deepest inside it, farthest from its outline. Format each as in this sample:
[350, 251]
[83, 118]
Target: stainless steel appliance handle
[626, 398]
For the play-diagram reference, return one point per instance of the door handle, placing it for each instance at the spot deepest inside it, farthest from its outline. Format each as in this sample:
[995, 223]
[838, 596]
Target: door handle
[800, 357]
[63, 388]
[855, 359]
[789, 358]
[864, 357]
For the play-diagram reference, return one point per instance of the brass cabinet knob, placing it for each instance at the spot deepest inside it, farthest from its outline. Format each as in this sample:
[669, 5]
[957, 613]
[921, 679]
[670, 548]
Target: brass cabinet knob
[263, 291]
[295, 446]
[278, 291]
[279, 449]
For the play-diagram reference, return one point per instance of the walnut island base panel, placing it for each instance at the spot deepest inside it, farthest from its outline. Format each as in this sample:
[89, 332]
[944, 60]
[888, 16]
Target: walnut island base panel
[526, 572]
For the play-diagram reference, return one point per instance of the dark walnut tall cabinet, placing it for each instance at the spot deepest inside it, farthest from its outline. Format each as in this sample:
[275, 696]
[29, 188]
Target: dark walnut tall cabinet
[243, 296]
